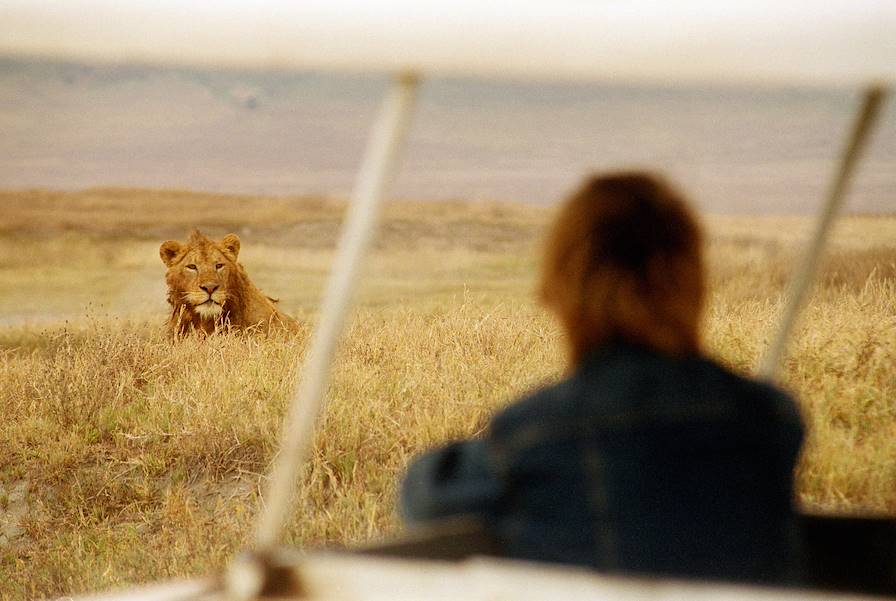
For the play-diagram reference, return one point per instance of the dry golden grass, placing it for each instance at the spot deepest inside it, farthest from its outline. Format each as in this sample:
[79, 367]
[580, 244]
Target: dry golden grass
[143, 457]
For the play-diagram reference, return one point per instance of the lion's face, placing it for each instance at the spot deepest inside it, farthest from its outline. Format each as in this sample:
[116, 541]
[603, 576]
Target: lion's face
[199, 272]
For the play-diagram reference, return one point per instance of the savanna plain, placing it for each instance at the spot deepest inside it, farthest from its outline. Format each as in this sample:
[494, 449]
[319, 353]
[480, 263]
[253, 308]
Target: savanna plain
[126, 456]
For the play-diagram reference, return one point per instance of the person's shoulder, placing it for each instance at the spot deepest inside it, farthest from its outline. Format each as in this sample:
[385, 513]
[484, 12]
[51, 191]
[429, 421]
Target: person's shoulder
[593, 389]
[543, 405]
[758, 395]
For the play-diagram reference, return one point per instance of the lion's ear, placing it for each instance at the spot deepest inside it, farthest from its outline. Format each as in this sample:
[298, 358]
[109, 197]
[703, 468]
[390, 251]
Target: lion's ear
[168, 251]
[231, 244]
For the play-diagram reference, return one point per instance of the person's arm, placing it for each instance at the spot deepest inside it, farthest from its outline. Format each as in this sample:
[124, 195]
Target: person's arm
[457, 479]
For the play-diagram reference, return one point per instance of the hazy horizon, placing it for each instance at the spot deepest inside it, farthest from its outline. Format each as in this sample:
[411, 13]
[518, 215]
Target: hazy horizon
[734, 149]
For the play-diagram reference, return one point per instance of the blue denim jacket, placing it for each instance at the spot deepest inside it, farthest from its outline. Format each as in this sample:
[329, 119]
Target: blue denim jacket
[636, 462]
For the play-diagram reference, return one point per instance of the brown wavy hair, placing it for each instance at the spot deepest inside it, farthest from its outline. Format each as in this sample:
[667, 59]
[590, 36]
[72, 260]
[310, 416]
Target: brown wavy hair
[624, 261]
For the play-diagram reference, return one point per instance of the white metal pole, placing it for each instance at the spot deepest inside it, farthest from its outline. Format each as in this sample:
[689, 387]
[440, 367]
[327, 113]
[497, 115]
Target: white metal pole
[802, 279]
[307, 403]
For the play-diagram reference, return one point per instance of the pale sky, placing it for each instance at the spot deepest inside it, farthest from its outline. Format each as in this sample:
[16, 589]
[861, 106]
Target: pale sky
[834, 41]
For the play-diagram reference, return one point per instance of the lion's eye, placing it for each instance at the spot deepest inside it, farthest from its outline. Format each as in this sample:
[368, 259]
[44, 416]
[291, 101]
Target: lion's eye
[219, 266]
[191, 267]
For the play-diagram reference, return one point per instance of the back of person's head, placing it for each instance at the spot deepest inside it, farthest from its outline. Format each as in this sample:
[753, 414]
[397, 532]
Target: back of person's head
[624, 262]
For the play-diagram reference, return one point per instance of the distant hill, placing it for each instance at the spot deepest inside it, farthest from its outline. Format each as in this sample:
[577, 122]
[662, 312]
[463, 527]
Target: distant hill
[73, 126]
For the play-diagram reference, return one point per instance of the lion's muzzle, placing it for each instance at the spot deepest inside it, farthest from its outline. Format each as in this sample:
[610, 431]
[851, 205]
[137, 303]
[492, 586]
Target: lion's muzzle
[209, 309]
[207, 303]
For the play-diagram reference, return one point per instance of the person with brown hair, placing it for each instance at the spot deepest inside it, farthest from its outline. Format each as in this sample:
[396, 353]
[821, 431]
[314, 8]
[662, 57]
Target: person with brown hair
[648, 456]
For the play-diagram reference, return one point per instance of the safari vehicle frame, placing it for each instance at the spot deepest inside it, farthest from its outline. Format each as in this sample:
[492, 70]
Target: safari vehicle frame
[761, 42]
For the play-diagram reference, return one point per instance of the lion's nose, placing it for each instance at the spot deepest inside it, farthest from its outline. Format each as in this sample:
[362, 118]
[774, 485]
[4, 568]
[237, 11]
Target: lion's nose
[209, 288]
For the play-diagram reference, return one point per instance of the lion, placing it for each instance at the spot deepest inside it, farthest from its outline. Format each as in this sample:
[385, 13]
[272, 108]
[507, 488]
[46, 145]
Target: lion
[209, 290]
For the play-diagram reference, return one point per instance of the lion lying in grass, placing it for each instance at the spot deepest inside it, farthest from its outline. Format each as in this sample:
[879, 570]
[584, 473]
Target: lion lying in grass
[209, 290]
